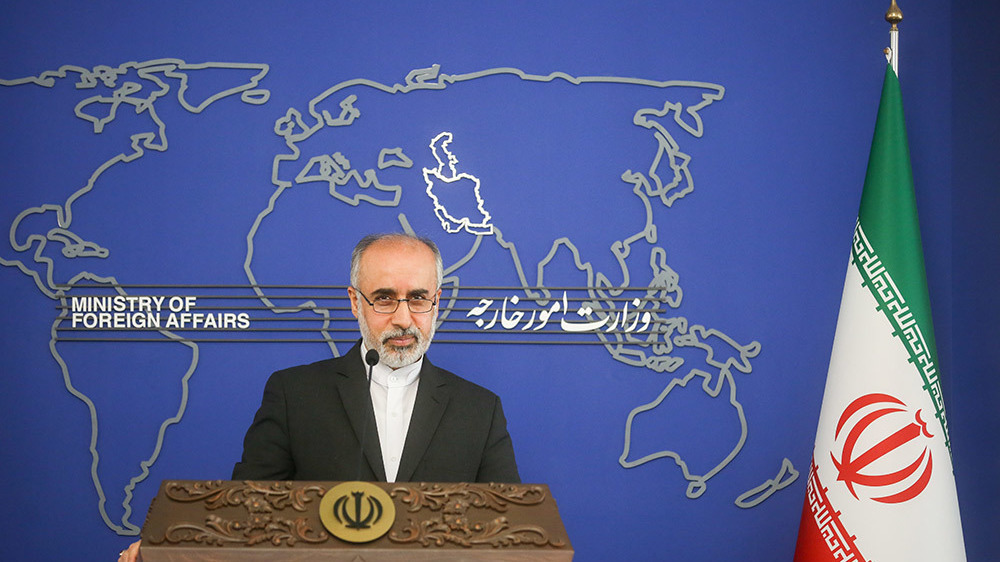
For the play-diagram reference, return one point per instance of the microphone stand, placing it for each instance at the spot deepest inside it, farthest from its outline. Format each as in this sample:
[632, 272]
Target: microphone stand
[371, 358]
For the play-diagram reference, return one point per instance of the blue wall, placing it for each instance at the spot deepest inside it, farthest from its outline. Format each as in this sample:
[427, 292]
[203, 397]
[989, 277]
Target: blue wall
[758, 237]
[976, 263]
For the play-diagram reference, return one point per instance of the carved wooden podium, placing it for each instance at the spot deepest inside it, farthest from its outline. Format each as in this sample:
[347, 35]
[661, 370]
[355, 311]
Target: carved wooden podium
[229, 521]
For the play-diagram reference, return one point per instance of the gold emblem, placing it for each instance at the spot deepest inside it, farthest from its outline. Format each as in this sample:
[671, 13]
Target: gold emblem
[357, 511]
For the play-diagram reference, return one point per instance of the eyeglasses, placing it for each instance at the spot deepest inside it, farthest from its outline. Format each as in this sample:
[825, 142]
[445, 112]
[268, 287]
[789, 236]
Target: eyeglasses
[386, 305]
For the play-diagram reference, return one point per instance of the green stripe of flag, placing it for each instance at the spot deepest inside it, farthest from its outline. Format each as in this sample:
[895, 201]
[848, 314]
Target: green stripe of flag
[888, 222]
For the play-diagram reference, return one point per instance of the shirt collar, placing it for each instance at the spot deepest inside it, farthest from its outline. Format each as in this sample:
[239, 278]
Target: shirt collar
[390, 378]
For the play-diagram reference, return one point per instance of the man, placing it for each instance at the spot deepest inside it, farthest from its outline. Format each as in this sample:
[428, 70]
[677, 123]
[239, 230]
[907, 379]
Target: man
[415, 422]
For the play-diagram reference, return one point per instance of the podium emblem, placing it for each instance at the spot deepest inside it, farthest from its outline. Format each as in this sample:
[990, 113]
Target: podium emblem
[357, 511]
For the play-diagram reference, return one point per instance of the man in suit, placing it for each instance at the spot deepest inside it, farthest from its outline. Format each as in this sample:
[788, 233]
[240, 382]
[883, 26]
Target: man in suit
[414, 422]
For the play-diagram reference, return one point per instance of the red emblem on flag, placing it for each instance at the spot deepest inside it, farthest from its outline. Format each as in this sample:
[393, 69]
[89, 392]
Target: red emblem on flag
[877, 421]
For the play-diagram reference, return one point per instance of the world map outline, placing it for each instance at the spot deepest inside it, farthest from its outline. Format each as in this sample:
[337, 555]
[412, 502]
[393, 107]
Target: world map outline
[293, 127]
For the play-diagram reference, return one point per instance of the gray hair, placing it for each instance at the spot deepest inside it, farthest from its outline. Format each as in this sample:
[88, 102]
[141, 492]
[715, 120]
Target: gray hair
[367, 241]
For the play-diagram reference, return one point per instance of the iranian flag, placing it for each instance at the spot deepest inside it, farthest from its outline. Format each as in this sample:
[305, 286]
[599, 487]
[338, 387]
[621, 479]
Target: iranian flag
[881, 487]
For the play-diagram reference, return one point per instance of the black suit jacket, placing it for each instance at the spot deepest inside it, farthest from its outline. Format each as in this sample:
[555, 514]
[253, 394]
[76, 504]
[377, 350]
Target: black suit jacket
[310, 423]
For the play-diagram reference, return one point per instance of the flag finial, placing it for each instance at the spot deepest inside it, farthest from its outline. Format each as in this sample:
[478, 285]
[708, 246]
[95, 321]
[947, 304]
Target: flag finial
[894, 15]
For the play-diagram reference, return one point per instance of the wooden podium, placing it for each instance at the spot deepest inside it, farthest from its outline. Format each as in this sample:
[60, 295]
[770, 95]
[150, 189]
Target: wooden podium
[231, 521]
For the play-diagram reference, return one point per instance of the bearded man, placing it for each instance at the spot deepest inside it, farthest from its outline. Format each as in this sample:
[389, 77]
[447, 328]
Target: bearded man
[414, 422]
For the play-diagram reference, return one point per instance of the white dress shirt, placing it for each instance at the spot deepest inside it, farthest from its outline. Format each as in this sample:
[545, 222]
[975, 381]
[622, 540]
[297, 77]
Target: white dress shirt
[393, 394]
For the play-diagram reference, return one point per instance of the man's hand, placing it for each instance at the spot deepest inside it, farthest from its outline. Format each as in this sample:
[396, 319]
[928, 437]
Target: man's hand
[130, 554]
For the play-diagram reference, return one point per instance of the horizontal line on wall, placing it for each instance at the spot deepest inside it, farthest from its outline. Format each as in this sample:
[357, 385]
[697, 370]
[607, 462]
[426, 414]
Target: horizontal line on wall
[330, 340]
[90, 285]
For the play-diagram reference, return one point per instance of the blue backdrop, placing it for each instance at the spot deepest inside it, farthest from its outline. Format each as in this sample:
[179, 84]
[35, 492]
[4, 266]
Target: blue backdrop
[705, 158]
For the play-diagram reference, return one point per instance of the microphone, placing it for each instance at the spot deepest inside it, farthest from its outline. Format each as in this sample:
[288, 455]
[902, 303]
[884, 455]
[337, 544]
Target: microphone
[371, 358]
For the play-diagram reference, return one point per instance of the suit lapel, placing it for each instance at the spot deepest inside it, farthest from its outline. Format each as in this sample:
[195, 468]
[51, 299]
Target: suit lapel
[432, 399]
[356, 397]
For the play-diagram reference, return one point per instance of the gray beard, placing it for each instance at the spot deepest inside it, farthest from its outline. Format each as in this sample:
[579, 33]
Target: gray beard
[392, 356]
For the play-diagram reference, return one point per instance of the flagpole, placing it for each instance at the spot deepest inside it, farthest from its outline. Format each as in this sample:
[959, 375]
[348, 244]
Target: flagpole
[893, 16]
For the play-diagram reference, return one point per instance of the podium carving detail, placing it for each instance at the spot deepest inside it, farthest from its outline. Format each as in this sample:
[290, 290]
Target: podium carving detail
[231, 520]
